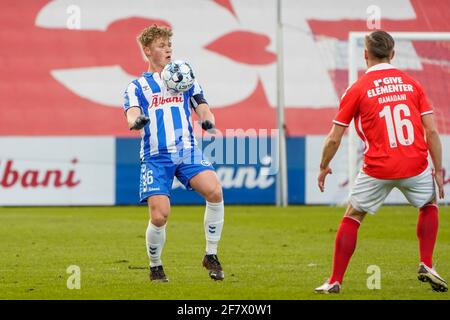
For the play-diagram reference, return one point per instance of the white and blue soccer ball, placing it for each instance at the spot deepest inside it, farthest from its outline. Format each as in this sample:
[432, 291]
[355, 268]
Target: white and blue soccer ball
[178, 76]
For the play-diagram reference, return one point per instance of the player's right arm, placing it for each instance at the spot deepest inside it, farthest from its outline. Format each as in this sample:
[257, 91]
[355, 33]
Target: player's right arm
[136, 120]
[435, 149]
[330, 148]
[347, 109]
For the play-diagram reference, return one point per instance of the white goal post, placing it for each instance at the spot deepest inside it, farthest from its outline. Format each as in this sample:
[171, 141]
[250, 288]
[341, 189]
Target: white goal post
[354, 52]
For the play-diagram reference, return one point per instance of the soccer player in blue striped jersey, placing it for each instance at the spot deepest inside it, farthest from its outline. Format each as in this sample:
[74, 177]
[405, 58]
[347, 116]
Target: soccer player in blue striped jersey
[169, 149]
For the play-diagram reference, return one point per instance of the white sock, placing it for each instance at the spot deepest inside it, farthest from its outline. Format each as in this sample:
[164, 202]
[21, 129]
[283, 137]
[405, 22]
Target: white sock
[213, 222]
[155, 238]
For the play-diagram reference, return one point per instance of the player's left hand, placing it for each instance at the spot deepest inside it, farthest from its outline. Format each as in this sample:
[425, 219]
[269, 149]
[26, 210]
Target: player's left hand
[321, 179]
[208, 126]
[439, 178]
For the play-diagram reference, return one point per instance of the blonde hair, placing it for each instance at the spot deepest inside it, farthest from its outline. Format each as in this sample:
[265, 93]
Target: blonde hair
[152, 33]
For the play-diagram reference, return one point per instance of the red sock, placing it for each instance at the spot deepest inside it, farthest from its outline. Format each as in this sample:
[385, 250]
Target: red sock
[344, 247]
[427, 227]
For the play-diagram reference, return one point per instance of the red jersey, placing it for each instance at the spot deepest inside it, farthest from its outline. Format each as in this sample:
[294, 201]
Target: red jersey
[387, 106]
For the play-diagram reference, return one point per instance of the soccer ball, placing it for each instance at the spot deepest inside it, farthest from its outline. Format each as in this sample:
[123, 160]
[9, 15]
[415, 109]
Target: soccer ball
[178, 76]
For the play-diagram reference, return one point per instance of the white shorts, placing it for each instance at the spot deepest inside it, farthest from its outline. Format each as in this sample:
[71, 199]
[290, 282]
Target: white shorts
[369, 193]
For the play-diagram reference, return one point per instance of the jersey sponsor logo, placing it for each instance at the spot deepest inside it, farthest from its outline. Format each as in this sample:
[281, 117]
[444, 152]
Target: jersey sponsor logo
[10, 177]
[390, 85]
[388, 80]
[158, 100]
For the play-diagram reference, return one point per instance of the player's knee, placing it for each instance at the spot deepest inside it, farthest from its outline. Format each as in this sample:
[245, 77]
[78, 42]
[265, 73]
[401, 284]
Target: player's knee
[158, 215]
[158, 220]
[433, 201]
[215, 195]
[354, 214]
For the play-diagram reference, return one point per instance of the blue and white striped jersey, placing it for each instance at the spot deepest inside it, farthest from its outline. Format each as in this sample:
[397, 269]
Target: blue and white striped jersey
[170, 128]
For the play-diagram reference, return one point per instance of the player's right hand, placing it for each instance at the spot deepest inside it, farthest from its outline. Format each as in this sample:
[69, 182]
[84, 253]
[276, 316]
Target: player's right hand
[140, 122]
[439, 178]
[321, 179]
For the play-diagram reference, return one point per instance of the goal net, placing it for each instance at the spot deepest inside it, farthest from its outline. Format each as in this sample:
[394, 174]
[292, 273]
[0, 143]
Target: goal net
[426, 57]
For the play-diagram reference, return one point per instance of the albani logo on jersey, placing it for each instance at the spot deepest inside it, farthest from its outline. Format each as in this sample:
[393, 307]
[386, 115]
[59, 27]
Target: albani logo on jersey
[11, 176]
[158, 100]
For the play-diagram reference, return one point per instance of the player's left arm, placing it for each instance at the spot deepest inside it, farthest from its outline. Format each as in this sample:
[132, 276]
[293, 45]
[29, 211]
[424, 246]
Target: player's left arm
[347, 109]
[331, 146]
[432, 138]
[206, 117]
[198, 102]
[435, 149]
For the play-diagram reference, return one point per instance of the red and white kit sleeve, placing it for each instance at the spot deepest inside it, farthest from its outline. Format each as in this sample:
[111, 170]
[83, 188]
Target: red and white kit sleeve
[348, 106]
[424, 104]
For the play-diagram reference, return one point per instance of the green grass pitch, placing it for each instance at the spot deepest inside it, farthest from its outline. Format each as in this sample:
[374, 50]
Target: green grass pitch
[266, 252]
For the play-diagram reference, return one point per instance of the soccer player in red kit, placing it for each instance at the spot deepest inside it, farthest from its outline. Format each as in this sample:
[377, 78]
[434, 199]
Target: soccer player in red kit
[394, 118]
